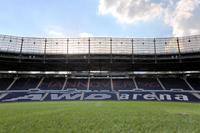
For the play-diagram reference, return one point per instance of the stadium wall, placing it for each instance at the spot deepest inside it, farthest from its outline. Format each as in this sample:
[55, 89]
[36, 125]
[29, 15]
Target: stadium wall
[169, 96]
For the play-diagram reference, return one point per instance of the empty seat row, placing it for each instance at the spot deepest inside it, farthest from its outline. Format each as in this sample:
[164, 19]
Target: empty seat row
[148, 84]
[5, 83]
[174, 83]
[194, 82]
[52, 84]
[25, 83]
[123, 84]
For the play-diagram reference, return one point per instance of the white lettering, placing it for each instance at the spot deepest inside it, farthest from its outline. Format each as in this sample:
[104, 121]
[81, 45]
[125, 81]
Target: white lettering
[65, 96]
[135, 96]
[181, 97]
[165, 97]
[98, 97]
[32, 97]
[124, 97]
[149, 97]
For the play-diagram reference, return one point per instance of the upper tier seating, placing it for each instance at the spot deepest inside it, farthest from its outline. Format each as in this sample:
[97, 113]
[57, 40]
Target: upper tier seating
[194, 82]
[123, 84]
[78, 84]
[174, 83]
[5, 82]
[148, 84]
[52, 84]
[100, 84]
[25, 83]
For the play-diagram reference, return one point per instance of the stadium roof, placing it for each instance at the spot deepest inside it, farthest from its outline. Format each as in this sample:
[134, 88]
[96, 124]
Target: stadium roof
[97, 45]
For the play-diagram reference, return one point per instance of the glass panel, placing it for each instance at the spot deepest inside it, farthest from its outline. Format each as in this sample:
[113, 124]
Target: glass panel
[100, 45]
[78, 46]
[33, 45]
[166, 46]
[143, 46]
[56, 46]
[121, 46]
[10, 43]
[189, 44]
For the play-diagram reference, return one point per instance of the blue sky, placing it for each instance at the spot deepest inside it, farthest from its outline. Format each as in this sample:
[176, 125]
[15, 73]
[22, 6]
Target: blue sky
[74, 18]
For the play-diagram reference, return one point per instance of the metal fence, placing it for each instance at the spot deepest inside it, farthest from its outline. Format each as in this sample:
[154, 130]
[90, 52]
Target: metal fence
[97, 45]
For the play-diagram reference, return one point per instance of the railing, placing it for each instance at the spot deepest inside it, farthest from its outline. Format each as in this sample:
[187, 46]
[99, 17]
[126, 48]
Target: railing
[97, 45]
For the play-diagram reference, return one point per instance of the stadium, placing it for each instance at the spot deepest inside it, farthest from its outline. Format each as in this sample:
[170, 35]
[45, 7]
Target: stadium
[53, 69]
[100, 66]
[94, 70]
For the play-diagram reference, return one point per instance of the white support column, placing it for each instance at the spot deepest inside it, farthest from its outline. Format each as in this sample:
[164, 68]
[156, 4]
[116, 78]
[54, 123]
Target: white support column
[82, 96]
[15, 79]
[64, 84]
[188, 83]
[111, 81]
[118, 97]
[136, 86]
[40, 83]
[3, 95]
[88, 86]
[163, 87]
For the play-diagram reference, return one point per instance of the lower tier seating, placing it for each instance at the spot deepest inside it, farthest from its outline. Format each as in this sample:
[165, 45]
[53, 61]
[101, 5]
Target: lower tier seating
[148, 84]
[94, 84]
[194, 82]
[174, 83]
[25, 83]
[100, 84]
[123, 84]
[5, 82]
[52, 84]
[78, 84]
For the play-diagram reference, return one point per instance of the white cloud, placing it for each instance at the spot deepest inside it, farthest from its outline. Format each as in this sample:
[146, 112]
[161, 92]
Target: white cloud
[184, 18]
[55, 34]
[130, 11]
[182, 15]
[54, 31]
[84, 34]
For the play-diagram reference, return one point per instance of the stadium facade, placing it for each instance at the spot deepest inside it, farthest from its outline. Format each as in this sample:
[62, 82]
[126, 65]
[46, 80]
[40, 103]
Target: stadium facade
[61, 69]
